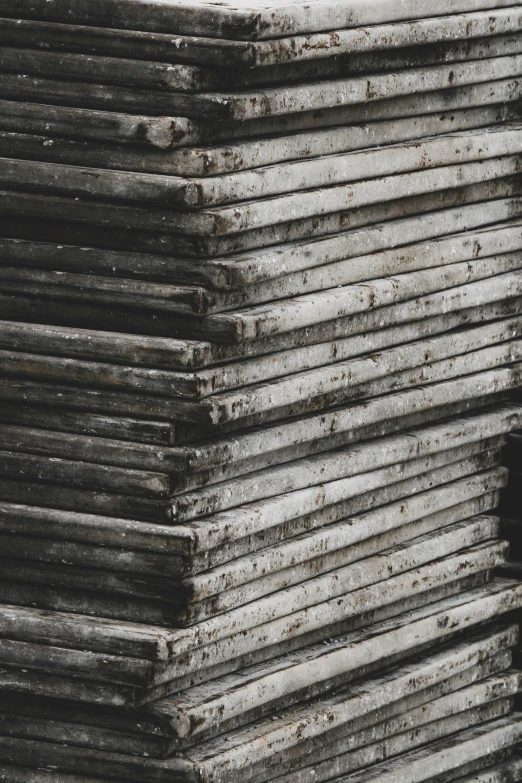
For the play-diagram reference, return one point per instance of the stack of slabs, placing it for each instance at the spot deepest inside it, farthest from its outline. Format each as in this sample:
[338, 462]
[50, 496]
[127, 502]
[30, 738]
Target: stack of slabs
[261, 289]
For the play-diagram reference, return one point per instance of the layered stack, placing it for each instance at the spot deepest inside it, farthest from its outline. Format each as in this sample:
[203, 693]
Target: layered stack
[261, 293]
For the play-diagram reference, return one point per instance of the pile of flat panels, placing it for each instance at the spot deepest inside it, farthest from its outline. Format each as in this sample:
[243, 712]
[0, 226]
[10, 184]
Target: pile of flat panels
[510, 511]
[261, 321]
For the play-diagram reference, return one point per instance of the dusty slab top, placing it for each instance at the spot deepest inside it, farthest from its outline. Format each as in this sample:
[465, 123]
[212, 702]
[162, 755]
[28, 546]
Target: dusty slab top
[238, 20]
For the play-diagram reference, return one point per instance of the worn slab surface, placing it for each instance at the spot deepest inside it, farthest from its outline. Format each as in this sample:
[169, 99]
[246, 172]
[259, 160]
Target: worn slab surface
[237, 21]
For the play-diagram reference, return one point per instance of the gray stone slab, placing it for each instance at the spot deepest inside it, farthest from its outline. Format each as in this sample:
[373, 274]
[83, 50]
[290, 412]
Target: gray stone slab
[390, 746]
[27, 489]
[93, 424]
[443, 716]
[56, 341]
[280, 479]
[307, 347]
[479, 495]
[342, 463]
[83, 590]
[350, 424]
[247, 155]
[18, 205]
[180, 561]
[157, 46]
[275, 268]
[169, 133]
[111, 731]
[213, 412]
[84, 690]
[140, 73]
[259, 102]
[487, 649]
[308, 175]
[290, 754]
[311, 365]
[339, 424]
[449, 757]
[505, 772]
[497, 255]
[239, 21]
[464, 301]
[211, 220]
[394, 369]
[273, 328]
[322, 666]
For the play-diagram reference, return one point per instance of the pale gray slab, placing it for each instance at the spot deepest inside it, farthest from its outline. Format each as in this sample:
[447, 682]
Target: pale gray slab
[169, 133]
[241, 20]
[41, 209]
[259, 102]
[44, 684]
[292, 440]
[305, 365]
[465, 485]
[388, 745]
[141, 73]
[63, 592]
[314, 669]
[280, 479]
[247, 155]
[277, 271]
[442, 154]
[341, 463]
[466, 708]
[58, 341]
[279, 324]
[334, 424]
[311, 47]
[488, 252]
[259, 183]
[109, 731]
[113, 532]
[448, 757]
[309, 397]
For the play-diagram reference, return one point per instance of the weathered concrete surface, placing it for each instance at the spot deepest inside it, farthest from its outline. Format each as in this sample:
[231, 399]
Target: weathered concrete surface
[437, 719]
[141, 73]
[170, 133]
[262, 213]
[294, 439]
[187, 603]
[293, 476]
[316, 371]
[312, 49]
[267, 152]
[275, 272]
[305, 347]
[177, 562]
[57, 340]
[162, 242]
[171, 558]
[312, 174]
[239, 21]
[463, 611]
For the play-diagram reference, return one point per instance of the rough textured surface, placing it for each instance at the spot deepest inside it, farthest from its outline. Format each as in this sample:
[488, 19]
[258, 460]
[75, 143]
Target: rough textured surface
[260, 340]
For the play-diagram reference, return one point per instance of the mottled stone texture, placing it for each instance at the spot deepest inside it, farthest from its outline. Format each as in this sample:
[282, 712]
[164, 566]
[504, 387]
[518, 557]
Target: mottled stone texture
[260, 341]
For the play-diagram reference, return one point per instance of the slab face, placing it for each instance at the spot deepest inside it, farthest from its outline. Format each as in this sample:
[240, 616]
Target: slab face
[240, 20]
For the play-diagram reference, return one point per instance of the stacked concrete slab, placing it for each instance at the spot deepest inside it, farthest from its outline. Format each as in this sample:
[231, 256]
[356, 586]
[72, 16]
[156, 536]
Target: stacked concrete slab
[261, 286]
